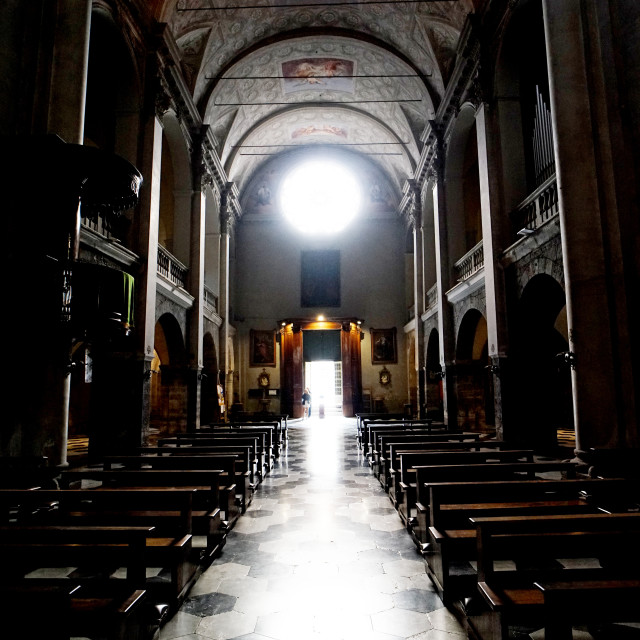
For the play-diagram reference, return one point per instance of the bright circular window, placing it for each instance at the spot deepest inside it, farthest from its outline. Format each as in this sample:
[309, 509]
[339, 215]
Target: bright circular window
[320, 196]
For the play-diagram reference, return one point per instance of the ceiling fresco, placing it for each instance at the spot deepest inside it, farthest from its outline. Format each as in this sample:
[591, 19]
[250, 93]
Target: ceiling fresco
[275, 78]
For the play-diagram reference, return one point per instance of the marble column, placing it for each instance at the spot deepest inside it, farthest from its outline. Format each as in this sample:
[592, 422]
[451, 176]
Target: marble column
[495, 238]
[419, 302]
[196, 289]
[225, 360]
[445, 310]
[584, 108]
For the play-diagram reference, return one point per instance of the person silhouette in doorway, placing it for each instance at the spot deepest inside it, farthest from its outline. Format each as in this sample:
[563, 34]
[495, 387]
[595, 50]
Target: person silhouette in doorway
[306, 401]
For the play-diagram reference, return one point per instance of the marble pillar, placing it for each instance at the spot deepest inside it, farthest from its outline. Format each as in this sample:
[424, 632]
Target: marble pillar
[584, 108]
[445, 310]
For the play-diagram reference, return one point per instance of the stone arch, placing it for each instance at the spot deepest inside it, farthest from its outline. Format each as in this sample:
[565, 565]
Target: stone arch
[434, 390]
[474, 384]
[543, 379]
[169, 378]
[545, 261]
[209, 408]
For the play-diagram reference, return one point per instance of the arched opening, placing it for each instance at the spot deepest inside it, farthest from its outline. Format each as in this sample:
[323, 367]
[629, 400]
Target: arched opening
[168, 382]
[474, 385]
[543, 378]
[79, 398]
[435, 407]
[209, 407]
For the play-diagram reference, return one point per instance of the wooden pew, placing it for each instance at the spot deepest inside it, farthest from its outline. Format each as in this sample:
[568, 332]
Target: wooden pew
[235, 476]
[278, 422]
[252, 443]
[283, 419]
[426, 427]
[211, 436]
[280, 419]
[390, 467]
[272, 429]
[362, 418]
[451, 542]
[61, 612]
[426, 475]
[588, 602]
[244, 451]
[270, 433]
[27, 472]
[369, 426]
[257, 441]
[115, 609]
[376, 432]
[383, 438]
[169, 513]
[372, 415]
[207, 483]
[555, 550]
[403, 489]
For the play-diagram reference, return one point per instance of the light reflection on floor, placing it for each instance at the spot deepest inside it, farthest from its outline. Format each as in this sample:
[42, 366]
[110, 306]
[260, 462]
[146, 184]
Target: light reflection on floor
[320, 555]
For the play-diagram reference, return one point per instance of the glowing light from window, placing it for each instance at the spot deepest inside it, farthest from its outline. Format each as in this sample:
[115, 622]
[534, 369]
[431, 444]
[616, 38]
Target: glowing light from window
[320, 196]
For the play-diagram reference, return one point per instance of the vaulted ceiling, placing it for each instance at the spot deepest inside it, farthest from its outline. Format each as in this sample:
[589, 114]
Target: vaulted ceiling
[277, 78]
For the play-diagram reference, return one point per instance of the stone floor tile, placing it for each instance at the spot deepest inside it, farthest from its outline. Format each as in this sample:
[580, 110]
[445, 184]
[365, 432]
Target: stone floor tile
[401, 622]
[227, 625]
[320, 554]
[181, 624]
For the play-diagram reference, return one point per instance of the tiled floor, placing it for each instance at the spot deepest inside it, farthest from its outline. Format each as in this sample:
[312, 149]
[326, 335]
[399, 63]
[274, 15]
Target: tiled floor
[319, 555]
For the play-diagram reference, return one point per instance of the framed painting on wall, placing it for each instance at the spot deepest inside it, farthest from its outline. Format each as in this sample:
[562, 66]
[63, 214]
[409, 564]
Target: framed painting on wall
[383, 346]
[262, 348]
[320, 279]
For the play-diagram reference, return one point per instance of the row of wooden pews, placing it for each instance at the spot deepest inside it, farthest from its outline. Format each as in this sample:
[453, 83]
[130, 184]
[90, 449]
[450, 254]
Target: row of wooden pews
[511, 540]
[115, 548]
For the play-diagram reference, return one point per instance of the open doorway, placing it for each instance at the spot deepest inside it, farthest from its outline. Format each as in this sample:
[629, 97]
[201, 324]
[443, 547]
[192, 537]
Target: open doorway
[324, 380]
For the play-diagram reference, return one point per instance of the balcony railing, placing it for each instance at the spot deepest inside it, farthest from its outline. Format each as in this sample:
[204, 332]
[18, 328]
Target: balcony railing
[470, 263]
[536, 209]
[171, 268]
[210, 300]
[102, 225]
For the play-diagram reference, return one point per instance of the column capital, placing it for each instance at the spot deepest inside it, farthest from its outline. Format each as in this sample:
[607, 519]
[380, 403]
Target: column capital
[227, 208]
[411, 204]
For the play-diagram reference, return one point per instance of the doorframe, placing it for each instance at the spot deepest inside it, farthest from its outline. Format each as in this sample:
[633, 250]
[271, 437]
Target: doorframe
[290, 337]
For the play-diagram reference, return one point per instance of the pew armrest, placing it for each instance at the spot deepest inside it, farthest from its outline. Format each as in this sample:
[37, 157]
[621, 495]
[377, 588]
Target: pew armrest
[491, 597]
